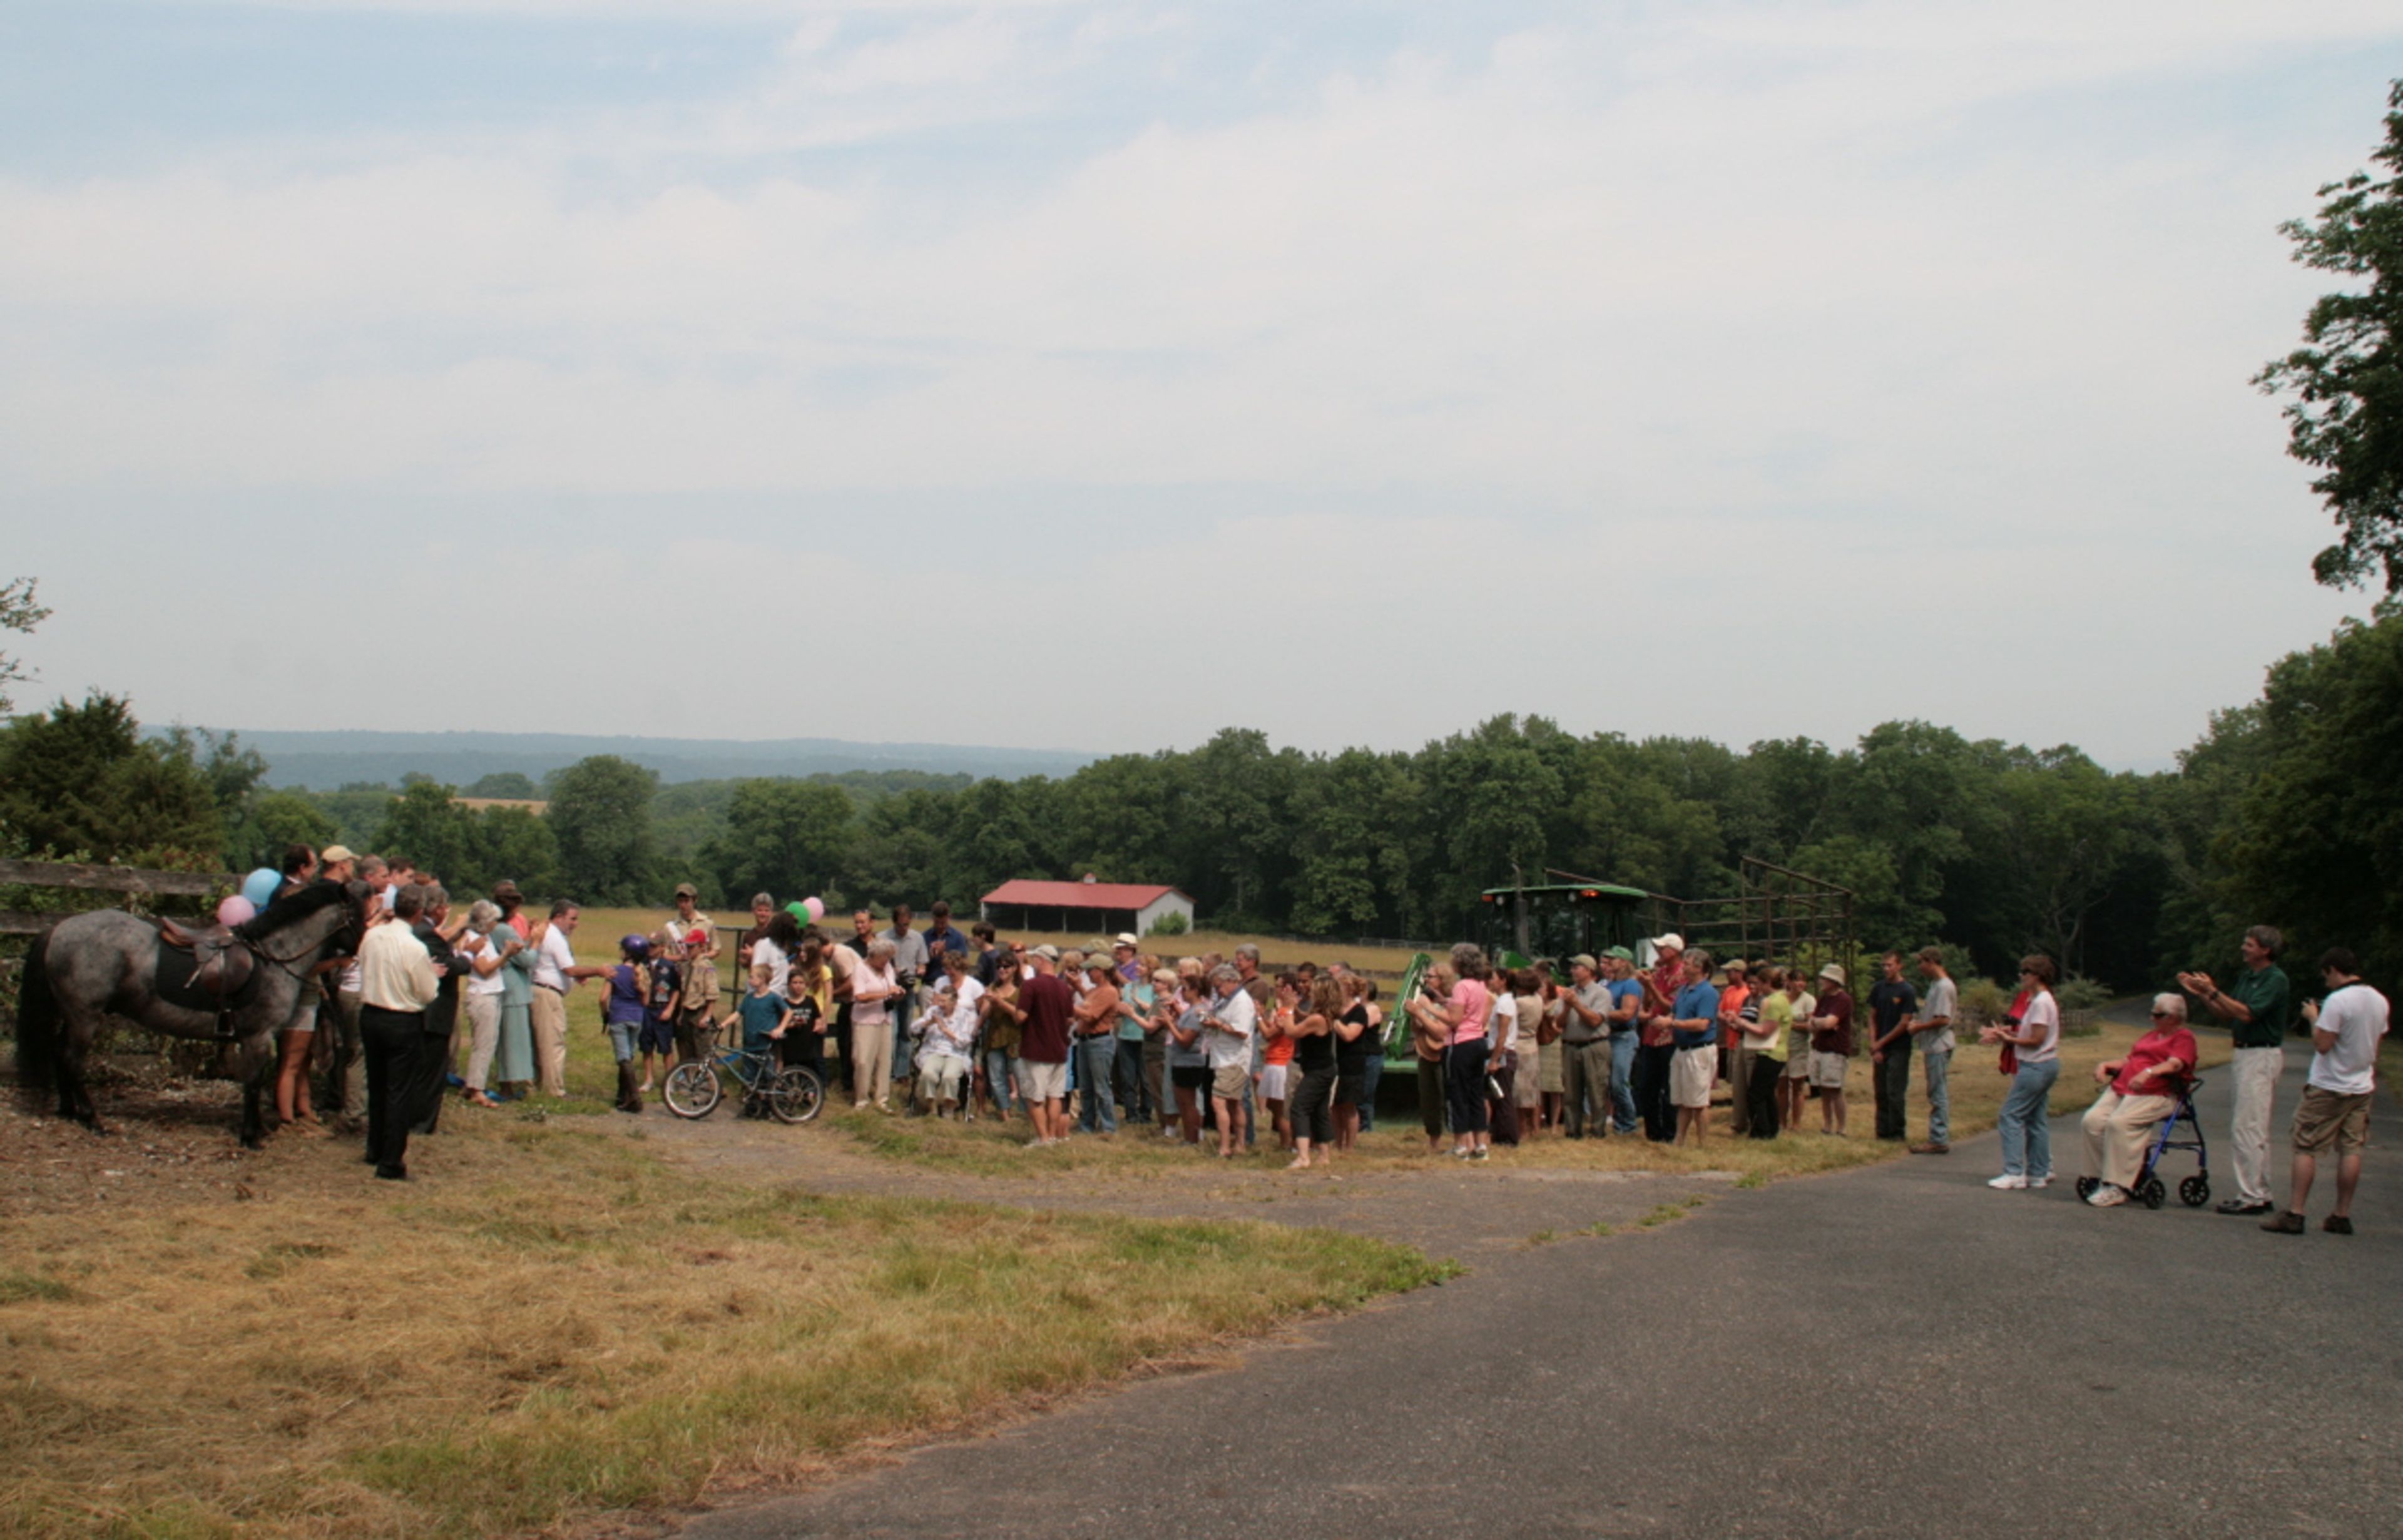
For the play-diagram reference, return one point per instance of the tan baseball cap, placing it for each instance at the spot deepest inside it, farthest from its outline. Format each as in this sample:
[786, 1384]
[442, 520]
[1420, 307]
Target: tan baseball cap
[332, 853]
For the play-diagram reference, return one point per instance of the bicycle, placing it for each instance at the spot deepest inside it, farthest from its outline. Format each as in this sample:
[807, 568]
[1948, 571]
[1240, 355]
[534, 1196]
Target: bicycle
[791, 1095]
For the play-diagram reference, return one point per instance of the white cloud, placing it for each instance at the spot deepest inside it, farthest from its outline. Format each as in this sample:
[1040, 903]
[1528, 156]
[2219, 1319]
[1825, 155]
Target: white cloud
[1724, 277]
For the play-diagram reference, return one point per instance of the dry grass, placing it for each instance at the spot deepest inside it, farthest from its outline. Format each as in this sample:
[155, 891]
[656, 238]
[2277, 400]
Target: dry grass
[986, 1148]
[561, 1323]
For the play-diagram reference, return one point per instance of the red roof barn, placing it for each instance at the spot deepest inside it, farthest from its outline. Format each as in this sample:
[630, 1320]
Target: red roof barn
[1024, 904]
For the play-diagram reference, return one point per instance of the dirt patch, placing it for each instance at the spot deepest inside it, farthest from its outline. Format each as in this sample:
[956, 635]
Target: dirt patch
[171, 1139]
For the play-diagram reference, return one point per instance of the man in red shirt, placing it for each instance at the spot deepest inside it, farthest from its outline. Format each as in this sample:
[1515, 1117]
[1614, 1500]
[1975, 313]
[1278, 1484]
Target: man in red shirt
[1049, 1005]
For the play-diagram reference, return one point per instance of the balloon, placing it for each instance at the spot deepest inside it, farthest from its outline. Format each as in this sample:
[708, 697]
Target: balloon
[235, 909]
[260, 885]
[816, 908]
[798, 911]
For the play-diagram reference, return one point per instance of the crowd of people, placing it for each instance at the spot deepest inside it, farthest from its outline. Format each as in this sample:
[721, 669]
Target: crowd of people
[937, 1021]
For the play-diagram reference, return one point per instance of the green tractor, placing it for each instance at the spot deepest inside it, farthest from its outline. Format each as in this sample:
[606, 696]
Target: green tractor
[1775, 912]
[1519, 923]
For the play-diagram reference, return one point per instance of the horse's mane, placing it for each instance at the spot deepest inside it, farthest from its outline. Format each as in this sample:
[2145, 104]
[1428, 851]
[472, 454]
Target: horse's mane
[292, 909]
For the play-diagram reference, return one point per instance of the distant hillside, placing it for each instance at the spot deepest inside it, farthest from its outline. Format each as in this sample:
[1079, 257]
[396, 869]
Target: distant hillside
[324, 760]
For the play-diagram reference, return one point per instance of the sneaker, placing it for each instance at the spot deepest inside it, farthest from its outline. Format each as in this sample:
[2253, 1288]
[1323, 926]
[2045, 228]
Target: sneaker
[2008, 1183]
[1931, 1150]
[1479, 1155]
[1037, 1144]
[2288, 1223]
[2107, 1197]
[2036, 1182]
[2336, 1224]
[2238, 1205]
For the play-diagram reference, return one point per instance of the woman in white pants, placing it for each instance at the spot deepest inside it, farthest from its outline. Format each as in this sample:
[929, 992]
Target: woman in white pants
[874, 987]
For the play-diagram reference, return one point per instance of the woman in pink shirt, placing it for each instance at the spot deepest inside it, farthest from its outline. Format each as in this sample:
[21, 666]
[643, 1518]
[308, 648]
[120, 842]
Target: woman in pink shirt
[1465, 1056]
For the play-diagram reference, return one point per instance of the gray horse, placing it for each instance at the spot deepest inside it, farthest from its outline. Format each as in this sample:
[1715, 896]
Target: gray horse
[108, 963]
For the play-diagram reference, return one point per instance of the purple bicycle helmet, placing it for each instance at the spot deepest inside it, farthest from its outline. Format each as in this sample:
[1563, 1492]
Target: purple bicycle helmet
[636, 947]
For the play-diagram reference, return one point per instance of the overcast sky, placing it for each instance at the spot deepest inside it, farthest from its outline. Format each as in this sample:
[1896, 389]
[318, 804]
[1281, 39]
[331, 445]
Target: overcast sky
[1095, 375]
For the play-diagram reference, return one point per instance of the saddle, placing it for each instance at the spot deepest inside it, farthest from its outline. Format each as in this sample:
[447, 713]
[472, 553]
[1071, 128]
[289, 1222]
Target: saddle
[206, 968]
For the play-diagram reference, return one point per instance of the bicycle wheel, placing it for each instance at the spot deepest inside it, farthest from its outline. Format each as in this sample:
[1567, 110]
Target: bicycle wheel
[692, 1090]
[795, 1096]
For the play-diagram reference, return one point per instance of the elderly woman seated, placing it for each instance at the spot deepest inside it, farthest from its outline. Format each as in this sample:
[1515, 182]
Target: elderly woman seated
[2138, 1094]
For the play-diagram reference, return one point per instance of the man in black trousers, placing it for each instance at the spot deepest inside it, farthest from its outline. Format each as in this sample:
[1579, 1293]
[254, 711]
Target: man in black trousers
[396, 983]
[441, 1018]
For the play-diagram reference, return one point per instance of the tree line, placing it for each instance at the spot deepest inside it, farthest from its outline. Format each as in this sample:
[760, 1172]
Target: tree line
[2286, 810]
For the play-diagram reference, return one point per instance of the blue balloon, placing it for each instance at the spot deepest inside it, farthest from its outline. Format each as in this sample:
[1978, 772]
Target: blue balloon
[260, 886]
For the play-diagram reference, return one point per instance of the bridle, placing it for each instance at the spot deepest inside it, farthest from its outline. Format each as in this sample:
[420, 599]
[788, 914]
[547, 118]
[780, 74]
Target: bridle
[353, 931]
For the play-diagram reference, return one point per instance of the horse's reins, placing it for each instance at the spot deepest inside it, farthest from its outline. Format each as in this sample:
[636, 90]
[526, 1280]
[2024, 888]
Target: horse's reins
[259, 949]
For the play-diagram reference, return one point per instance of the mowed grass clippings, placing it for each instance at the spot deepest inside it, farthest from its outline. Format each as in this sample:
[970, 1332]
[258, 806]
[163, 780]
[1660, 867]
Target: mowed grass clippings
[987, 1148]
[563, 1324]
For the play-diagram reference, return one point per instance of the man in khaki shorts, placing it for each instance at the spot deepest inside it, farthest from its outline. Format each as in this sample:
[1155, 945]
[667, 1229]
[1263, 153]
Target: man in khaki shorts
[2337, 1094]
[1694, 1033]
[1226, 1032]
[1831, 1048]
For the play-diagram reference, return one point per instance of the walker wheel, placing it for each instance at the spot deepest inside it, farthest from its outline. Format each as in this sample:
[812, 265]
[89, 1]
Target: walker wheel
[2086, 1186]
[2152, 1192]
[2195, 1191]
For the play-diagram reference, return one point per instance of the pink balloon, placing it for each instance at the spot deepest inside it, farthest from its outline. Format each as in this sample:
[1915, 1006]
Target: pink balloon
[816, 908]
[236, 909]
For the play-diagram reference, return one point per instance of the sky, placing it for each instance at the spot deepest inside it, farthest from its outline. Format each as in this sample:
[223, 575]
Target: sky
[1096, 375]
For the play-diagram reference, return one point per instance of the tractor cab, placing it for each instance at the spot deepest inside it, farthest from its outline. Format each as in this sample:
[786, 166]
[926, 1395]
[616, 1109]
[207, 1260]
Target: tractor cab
[1520, 923]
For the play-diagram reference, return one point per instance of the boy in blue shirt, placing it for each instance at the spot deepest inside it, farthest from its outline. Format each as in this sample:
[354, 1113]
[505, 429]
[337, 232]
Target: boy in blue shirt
[764, 1019]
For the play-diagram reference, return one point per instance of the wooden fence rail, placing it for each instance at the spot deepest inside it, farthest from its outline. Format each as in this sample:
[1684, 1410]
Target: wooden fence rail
[91, 878]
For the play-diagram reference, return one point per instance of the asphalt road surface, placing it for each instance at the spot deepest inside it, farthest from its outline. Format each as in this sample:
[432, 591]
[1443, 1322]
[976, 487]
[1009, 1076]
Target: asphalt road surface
[1897, 1351]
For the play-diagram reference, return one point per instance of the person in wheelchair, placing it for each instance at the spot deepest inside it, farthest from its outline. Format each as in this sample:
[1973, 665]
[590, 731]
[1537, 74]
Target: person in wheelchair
[2139, 1092]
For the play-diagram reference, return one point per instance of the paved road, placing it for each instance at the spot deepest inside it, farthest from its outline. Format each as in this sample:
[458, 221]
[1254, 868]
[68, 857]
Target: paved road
[1897, 1351]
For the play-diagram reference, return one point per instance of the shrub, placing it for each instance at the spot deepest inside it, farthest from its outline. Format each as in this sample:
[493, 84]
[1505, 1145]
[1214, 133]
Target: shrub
[1171, 923]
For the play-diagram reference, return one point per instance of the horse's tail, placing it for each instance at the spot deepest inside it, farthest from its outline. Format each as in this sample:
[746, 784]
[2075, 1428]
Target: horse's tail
[38, 1022]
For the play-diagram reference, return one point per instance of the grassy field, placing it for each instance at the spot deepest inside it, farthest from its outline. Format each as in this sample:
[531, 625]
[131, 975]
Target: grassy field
[563, 1325]
[987, 1148]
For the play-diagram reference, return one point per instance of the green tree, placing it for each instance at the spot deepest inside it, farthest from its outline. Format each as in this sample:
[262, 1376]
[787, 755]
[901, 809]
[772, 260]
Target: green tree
[506, 784]
[2347, 379]
[82, 782]
[1351, 819]
[782, 837]
[425, 824]
[17, 613]
[516, 844]
[275, 820]
[600, 814]
[233, 774]
[2316, 843]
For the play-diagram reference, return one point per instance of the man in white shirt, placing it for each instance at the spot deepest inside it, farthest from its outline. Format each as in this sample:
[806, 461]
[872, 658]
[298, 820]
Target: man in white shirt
[1227, 1034]
[2335, 1114]
[555, 972]
[397, 980]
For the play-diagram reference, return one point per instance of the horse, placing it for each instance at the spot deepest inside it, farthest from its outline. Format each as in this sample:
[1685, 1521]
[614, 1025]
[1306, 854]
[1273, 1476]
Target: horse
[108, 963]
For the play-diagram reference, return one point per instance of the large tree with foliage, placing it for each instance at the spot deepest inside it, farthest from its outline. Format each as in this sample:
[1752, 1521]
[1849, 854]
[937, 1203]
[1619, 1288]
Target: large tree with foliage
[787, 838]
[2316, 842]
[2347, 379]
[600, 814]
[82, 782]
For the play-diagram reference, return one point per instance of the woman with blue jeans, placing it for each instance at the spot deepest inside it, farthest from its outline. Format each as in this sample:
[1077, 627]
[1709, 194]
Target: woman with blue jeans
[2033, 1035]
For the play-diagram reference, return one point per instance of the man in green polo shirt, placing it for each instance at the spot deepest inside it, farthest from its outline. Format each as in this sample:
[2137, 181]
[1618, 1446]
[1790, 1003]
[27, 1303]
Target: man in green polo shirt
[2259, 1010]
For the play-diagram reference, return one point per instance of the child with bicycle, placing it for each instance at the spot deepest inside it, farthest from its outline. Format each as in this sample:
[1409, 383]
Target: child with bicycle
[765, 1017]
